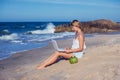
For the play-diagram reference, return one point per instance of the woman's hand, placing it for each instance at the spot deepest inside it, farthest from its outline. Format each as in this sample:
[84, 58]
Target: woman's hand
[67, 51]
[67, 48]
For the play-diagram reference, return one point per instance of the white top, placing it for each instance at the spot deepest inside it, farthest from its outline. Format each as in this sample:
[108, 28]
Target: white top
[75, 45]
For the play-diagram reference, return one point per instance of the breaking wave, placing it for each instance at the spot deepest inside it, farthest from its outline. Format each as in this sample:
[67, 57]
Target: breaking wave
[49, 29]
[12, 36]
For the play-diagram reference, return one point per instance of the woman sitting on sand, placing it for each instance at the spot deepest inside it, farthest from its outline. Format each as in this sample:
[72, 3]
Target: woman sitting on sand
[76, 50]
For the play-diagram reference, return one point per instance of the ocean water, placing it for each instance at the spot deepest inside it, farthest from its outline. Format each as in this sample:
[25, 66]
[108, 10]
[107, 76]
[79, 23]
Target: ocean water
[22, 36]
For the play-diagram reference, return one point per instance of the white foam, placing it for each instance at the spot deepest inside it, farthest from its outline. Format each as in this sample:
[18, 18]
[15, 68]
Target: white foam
[51, 36]
[68, 33]
[9, 37]
[49, 29]
[16, 41]
[7, 31]
[63, 34]
[36, 40]
[57, 36]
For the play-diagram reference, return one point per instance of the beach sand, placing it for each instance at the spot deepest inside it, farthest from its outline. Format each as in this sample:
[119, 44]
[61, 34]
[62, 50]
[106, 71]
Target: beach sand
[100, 62]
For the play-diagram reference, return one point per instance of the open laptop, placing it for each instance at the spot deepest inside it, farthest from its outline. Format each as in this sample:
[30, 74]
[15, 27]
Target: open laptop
[56, 46]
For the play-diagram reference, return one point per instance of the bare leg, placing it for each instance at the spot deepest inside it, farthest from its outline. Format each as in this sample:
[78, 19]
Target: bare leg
[53, 58]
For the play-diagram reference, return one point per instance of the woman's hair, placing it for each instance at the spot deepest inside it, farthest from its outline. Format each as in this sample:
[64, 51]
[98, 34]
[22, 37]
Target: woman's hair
[76, 21]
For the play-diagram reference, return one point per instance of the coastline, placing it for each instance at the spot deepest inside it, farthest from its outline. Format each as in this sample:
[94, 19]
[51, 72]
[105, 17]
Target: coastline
[101, 61]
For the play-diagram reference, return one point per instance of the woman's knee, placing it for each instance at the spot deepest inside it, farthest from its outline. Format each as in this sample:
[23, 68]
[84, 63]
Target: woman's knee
[66, 55]
[56, 53]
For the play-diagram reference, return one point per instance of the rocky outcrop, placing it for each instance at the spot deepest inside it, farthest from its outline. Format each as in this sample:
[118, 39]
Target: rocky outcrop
[63, 28]
[99, 26]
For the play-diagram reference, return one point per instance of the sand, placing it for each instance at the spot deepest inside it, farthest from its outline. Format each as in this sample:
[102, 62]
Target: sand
[100, 62]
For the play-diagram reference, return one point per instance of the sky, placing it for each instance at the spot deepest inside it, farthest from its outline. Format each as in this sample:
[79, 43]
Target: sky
[58, 10]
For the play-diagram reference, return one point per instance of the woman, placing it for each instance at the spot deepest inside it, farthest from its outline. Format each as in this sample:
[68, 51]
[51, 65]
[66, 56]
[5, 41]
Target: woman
[76, 50]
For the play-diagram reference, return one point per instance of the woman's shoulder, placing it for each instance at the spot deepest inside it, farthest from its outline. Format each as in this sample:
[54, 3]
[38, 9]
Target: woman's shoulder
[80, 33]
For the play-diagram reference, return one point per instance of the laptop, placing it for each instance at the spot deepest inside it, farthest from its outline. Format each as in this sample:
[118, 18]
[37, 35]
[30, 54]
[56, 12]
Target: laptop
[56, 46]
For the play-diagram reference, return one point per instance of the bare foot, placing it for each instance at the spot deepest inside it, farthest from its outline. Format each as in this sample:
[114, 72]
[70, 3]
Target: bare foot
[40, 67]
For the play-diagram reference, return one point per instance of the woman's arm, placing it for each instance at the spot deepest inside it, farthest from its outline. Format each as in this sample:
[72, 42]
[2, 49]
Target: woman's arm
[81, 43]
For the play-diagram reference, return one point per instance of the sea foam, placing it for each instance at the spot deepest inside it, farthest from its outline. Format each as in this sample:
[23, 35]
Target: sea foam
[5, 32]
[12, 36]
[49, 29]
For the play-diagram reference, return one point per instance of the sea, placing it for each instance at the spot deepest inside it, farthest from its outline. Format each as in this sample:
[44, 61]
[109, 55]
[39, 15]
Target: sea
[22, 36]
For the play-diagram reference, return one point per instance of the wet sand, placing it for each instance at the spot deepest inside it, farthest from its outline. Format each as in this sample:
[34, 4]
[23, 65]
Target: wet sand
[100, 62]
